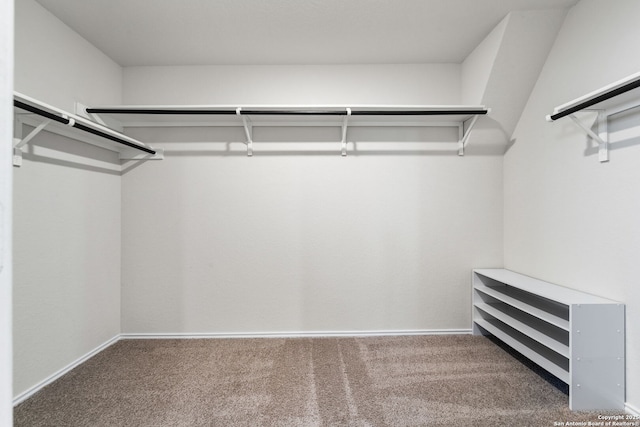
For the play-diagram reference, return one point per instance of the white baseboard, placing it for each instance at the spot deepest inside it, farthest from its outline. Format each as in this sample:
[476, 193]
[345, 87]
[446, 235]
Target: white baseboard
[632, 410]
[317, 334]
[33, 390]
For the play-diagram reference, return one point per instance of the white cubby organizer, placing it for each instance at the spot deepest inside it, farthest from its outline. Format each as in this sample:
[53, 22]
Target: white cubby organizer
[577, 337]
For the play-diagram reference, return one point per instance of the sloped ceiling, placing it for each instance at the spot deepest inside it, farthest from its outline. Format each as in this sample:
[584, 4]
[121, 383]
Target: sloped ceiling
[198, 32]
[502, 71]
[501, 45]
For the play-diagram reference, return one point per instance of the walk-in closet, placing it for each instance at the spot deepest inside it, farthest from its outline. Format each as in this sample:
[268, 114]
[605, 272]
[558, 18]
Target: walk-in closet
[319, 213]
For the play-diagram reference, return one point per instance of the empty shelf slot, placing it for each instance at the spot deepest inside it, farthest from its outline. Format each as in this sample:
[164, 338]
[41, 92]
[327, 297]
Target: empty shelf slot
[544, 304]
[543, 356]
[548, 335]
[502, 294]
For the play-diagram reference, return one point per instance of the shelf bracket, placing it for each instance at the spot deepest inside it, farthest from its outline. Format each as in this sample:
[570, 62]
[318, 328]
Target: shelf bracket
[601, 137]
[248, 130]
[465, 135]
[18, 143]
[345, 122]
[81, 110]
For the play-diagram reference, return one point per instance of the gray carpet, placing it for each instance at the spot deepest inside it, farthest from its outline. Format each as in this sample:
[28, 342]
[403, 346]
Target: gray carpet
[456, 380]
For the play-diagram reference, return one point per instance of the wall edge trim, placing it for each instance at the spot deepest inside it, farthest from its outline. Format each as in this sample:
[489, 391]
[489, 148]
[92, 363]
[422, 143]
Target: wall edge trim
[630, 409]
[51, 378]
[293, 334]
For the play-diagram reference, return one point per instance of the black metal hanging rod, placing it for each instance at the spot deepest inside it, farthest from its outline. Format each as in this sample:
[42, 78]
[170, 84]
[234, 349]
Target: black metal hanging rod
[158, 111]
[600, 98]
[418, 112]
[40, 112]
[293, 113]
[166, 111]
[54, 117]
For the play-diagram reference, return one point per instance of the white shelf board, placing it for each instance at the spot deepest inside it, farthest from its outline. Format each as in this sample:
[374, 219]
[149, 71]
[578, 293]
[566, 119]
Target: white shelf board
[34, 119]
[525, 350]
[310, 107]
[527, 330]
[541, 288]
[609, 103]
[191, 115]
[540, 314]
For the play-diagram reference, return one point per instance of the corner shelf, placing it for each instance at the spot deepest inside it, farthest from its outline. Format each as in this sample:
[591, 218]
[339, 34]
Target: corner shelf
[614, 98]
[35, 113]
[577, 337]
[463, 117]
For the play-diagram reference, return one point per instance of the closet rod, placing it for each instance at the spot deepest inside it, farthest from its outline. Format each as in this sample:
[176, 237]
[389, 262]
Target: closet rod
[63, 120]
[169, 111]
[596, 100]
[417, 112]
[293, 112]
[40, 112]
[158, 111]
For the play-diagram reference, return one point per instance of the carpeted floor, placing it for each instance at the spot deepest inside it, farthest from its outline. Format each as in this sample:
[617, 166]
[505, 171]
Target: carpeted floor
[456, 380]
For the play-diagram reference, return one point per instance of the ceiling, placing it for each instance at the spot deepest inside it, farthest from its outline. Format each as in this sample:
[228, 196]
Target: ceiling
[198, 32]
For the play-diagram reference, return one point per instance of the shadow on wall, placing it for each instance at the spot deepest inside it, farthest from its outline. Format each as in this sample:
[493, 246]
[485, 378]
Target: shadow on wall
[623, 131]
[238, 149]
[62, 151]
[271, 142]
[324, 141]
[488, 139]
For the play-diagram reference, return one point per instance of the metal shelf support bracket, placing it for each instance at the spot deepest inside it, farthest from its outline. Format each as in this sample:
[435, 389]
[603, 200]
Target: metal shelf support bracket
[345, 123]
[248, 130]
[465, 135]
[20, 142]
[601, 137]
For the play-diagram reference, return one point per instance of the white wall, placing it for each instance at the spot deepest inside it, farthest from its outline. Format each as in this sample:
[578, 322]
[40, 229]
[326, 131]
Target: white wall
[568, 218]
[289, 84]
[216, 242]
[67, 208]
[57, 66]
[6, 120]
[502, 70]
[477, 66]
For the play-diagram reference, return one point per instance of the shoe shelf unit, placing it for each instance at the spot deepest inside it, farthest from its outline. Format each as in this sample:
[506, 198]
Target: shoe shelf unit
[577, 337]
